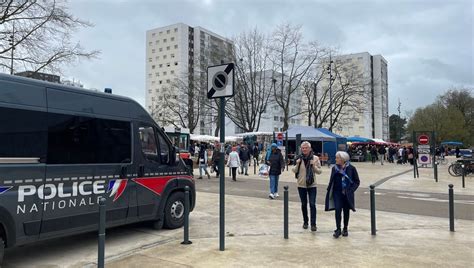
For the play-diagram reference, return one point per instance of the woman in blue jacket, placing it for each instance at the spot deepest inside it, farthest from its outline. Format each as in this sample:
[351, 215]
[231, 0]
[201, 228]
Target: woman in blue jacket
[343, 183]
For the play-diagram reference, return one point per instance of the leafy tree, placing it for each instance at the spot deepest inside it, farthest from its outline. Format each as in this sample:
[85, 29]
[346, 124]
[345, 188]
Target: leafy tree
[397, 127]
[35, 35]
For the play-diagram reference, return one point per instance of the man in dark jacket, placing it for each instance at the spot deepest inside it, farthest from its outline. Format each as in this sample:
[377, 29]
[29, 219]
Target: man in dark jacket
[343, 183]
[244, 156]
[382, 152]
[215, 158]
[277, 165]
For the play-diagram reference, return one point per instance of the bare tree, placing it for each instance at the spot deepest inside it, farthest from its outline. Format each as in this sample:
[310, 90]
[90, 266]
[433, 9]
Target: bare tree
[35, 35]
[253, 86]
[292, 61]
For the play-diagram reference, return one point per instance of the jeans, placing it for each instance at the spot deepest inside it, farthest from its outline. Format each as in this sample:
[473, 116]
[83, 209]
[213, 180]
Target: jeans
[341, 204]
[304, 193]
[381, 157]
[244, 167]
[274, 183]
[201, 168]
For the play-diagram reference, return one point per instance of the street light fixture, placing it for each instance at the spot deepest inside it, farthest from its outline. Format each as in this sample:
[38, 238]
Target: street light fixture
[331, 79]
[11, 41]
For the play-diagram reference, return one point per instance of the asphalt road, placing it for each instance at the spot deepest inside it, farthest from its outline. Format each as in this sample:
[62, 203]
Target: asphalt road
[407, 202]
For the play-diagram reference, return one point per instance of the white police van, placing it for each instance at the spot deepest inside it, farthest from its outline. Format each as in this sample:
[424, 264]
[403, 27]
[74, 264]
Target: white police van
[62, 148]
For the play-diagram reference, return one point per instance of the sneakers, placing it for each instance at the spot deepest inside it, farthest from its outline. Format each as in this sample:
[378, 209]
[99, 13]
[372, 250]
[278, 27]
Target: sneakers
[305, 226]
[344, 232]
[271, 196]
[200, 178]
[337, 233]
[208, 176]
[276, 195]
[314, 228]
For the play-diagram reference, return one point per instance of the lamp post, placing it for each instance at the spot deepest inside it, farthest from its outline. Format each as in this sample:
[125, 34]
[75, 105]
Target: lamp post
[329, 69]
[12, 45]
[315, 92]
[399, 122]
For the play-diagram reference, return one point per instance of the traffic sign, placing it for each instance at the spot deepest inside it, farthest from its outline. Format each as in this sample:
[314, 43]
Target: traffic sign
[280, 143]
[423, 139]
[280, 136]
[220, 81]
[424, 159]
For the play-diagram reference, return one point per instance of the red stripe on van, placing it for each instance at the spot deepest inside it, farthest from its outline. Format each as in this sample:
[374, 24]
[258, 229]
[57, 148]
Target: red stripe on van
[157, 184]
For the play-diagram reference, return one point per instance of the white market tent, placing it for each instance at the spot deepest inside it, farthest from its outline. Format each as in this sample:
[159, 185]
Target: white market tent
[208, 138]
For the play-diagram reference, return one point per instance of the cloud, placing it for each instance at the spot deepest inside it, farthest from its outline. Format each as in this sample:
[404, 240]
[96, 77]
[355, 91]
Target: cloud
[428, 44]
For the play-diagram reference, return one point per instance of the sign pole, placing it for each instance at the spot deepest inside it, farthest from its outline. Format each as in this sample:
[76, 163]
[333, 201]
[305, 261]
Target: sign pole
[221, 176]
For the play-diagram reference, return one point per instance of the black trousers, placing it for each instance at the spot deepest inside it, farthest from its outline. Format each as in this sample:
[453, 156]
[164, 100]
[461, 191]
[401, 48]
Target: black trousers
[342, 205]
[234, 173]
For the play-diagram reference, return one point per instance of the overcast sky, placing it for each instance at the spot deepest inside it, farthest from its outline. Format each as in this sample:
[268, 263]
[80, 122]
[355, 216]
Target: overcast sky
[428, 44]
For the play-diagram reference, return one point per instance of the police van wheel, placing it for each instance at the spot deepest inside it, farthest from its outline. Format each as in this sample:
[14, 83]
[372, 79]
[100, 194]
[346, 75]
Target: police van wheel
[2, 250]
[174, 211]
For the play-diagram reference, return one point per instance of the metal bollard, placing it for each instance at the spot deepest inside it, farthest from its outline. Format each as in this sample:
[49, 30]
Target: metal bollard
[436, 171]
[463, 174]
[285, 212]
[101, 253]
[372, 210]
[451, 208]
[254, 166]
[186, 217]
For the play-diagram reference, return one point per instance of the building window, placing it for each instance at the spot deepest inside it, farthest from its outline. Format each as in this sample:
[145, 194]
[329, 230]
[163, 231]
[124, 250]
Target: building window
[161, 65]
[160, 98]
[161, 82]
[157, 74]
[149, 91]
[167, 31]
[150, 43]
[172, 38]
[153, 34]
[164, 56]
[281, 119]
[164, 73]
[167, 48]
[168, 81]
[171, 72]
[153, 51]
[161, 49]
[157, 42]
[164, 40]
[176, 63]
[157, 57]
[153, 66]
[152, 82]
[275, 118]
[168, 64]
[149, 59]
[176, 46]
[160, 33]
[149, 75]
[175, 30]
[172, 55]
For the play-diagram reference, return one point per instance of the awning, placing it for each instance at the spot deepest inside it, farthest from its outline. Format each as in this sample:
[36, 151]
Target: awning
[359, 139]
[308, 133]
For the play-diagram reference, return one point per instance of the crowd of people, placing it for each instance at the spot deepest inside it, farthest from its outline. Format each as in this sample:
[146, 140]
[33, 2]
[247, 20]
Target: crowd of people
[344, 179]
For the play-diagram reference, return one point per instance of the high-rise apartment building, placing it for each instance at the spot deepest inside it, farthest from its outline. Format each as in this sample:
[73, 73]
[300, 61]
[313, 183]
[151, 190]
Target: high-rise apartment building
[180, 54]
[369, 75]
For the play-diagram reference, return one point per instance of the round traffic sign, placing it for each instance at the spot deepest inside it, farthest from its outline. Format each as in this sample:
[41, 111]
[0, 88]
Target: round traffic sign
[219, 81]
[423, 139]
[279, 136]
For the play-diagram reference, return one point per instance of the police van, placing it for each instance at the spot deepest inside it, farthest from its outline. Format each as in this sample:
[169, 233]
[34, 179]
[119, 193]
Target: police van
[63, 148]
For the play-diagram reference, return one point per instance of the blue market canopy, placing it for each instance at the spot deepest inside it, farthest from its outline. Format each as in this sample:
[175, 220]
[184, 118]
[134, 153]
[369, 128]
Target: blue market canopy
[308, 133]
[456, 143]
[358, 139]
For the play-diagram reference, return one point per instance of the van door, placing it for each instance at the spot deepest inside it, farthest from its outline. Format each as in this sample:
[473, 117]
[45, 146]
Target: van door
[153, 172]
[23, 140]
[87, 157]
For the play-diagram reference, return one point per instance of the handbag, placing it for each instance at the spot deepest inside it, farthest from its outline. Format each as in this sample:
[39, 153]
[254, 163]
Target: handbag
[263, 170]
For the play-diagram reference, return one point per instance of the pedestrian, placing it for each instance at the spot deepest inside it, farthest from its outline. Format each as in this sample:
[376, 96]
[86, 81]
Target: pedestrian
[244, 156]
[373, 153]
[233, 162]
[277, 165]
[306, 165]
[202, 161]
[343, 183]
[216, 156]
[382, 152]
[457, 151]
[256, 152]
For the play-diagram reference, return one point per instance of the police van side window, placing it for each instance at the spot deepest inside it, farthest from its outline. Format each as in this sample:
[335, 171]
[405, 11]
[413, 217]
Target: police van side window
[148, 143]
[86, 140]
[164, 149]
[23, 136]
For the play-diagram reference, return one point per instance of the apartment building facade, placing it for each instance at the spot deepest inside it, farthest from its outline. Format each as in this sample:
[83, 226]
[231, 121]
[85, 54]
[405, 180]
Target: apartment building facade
[179, 54]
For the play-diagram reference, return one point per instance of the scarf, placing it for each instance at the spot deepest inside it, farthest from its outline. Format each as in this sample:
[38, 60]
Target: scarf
[309, 168]
[346, 180]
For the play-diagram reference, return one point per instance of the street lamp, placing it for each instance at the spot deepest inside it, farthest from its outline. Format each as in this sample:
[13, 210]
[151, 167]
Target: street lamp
[11, 41]
[331, 79]
[315, 95]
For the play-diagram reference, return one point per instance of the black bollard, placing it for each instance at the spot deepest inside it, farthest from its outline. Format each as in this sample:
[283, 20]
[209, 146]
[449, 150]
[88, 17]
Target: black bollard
[372, 210]
[463, 174]
[285, 212]
[451, 208]
[186, 217]
[254, 166]
[436, 171]
[101, 253]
